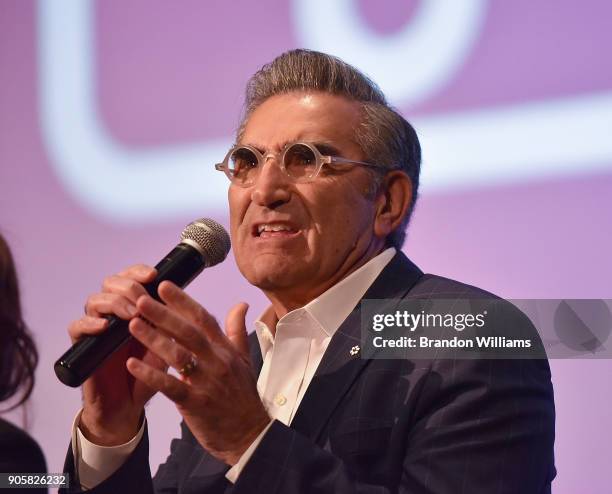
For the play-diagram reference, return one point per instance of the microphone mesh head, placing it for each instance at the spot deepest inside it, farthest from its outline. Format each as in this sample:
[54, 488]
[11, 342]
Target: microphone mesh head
[210, 238]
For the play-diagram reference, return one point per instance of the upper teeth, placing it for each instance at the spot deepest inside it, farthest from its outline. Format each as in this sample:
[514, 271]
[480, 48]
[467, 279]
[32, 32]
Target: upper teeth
[272, 228]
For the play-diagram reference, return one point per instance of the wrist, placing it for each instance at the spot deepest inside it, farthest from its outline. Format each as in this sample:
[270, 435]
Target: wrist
[232, 457]
[109, 431]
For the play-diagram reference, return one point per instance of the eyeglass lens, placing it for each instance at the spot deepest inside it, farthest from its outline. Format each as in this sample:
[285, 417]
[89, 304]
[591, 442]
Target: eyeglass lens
[242, 165]
[299, 160]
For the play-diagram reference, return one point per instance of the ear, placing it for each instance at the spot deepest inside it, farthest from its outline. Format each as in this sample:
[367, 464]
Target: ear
[393, 202]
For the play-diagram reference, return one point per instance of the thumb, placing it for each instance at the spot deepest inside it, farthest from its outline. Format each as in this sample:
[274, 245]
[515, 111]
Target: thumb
[235, 327]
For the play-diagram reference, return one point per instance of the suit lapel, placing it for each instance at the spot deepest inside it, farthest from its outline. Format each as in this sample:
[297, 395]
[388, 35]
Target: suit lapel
[255, 353]
[339, 368]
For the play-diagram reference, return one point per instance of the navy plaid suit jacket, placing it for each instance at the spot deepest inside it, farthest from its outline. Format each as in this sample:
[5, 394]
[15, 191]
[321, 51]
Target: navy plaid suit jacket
[384, 426]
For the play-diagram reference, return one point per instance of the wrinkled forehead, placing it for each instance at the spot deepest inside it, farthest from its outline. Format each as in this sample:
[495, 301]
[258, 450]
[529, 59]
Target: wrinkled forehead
[301, 116]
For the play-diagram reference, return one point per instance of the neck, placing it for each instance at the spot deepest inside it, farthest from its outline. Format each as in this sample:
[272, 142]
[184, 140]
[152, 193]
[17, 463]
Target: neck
[288, 299]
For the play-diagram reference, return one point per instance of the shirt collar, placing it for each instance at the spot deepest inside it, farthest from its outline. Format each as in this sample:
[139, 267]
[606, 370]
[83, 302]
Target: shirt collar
[333, 306]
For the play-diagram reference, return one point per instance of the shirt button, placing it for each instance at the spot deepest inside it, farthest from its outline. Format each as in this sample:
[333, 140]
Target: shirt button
[280, 399]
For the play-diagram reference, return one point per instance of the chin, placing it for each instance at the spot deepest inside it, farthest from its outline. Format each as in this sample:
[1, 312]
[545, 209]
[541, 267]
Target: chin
[283, 273]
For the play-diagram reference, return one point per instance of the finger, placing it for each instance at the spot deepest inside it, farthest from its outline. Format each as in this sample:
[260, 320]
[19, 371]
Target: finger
[156, 361]
[86, 325]
[110, 303]
[235, 328]
[170, 386]
[126, 287]
[173, 325]
[176, 298]
[169, 351]
[139, 272]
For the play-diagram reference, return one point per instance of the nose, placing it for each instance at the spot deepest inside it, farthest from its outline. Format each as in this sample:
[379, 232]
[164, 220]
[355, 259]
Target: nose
[272, 187]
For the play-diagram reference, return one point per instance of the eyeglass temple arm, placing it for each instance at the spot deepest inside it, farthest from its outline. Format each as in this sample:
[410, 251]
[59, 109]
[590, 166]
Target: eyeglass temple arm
[332, 160]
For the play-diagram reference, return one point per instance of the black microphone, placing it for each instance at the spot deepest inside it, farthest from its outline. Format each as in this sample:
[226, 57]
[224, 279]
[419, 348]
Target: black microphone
[204, 243]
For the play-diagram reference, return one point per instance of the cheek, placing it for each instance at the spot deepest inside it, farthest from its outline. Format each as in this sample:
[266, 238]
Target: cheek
[341, 214]
[238, 200]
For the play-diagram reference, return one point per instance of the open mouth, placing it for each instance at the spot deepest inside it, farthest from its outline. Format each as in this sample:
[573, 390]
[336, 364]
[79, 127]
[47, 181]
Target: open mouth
[274, 230]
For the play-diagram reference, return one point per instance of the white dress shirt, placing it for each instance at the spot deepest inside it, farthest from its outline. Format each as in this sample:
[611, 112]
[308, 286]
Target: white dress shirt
[291, 355]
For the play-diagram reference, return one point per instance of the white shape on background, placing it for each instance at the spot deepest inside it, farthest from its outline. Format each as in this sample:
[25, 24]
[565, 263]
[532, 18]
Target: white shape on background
[111, 180]
[516, 144]
[473, 148]
[409, 65]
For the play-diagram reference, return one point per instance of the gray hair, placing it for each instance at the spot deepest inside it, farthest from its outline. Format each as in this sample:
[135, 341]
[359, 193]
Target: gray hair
[385, 137]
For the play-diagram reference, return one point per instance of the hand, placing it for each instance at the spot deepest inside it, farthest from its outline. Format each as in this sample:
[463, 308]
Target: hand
[113, 401]
[218, 400]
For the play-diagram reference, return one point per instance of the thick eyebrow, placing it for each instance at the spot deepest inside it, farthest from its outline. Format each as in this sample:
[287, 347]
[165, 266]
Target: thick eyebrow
[259, 148]
[326, 149]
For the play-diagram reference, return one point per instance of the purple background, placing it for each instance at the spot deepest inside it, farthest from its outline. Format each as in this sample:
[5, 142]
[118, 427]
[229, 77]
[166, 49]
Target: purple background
[169, 74]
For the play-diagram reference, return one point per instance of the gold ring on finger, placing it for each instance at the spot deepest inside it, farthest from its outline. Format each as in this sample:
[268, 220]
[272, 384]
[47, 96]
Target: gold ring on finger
[189, 367]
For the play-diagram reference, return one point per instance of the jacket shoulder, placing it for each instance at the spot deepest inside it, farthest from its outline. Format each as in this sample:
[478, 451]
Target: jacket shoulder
[436, 286]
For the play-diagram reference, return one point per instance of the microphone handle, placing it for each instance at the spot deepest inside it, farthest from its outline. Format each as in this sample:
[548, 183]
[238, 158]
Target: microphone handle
[180, 266]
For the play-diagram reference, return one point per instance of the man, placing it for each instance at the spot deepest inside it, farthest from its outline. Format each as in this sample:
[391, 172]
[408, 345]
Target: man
[323, 179]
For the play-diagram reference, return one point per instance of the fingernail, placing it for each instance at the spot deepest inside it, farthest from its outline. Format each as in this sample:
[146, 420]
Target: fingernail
[132, 311]
[168, 285]
[146, 271]
[136, 328]
[101, 322]
[133, 362]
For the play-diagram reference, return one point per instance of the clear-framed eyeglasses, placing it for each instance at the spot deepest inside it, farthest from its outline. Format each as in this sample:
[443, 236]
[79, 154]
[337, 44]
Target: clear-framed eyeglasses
[300, 161]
